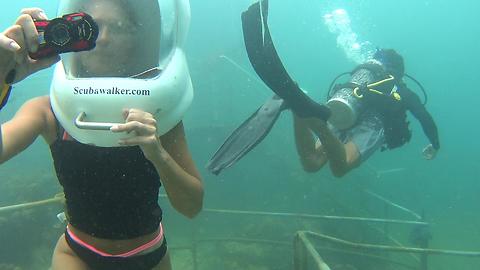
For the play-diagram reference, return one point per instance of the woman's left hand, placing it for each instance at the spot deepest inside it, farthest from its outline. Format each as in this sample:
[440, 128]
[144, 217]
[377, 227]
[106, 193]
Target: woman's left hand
[144, 126]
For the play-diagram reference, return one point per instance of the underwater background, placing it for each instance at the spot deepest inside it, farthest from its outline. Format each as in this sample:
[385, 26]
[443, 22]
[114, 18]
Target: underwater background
[439, 41]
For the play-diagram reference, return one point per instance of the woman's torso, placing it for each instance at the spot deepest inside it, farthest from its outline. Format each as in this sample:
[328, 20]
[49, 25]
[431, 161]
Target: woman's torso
[112, 209]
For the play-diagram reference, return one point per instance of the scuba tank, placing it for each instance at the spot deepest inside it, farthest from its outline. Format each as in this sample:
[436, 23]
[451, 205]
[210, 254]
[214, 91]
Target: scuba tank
[368, 85]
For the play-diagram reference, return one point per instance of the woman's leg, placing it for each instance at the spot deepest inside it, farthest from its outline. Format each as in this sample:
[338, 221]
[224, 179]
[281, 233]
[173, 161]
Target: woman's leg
[65, 258]
[165, 263]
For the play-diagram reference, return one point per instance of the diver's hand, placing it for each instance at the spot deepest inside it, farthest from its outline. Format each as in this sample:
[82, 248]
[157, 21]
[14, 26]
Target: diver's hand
[144, 126]
[16, 42]
[429, 152]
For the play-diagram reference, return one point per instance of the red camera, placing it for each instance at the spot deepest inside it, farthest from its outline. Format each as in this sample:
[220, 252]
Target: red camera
[73, 32]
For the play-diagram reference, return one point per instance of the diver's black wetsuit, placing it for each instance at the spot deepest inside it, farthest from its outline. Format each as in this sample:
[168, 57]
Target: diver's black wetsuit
[415, 106]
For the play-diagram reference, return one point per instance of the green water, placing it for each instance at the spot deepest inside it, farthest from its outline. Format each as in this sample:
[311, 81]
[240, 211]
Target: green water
[439, 41]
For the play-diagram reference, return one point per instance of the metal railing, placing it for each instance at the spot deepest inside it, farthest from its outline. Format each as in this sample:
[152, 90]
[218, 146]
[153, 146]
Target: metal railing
[305, 251]
[311, 250]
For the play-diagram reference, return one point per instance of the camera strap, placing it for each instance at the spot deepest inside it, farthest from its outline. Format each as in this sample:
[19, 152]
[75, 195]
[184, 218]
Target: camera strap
[4, 93]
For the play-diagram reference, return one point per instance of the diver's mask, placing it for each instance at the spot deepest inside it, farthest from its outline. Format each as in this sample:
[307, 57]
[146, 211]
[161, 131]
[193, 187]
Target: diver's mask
[138, 62]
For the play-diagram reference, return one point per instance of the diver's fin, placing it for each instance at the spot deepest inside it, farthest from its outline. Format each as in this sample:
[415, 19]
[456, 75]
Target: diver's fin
[244, 138]
[266, 62]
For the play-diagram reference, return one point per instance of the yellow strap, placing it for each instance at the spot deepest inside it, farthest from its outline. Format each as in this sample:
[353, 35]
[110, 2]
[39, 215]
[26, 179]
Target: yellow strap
[382, 81]
[375, 91]
[4, 93]
[355, 92]
[371, 89]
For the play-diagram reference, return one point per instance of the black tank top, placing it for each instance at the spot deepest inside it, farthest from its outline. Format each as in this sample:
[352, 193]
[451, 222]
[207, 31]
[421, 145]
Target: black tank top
[111, 192]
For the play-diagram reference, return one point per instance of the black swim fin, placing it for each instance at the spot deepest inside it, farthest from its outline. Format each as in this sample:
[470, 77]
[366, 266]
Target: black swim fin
[269, 67]
[250, 133]
[267, 64]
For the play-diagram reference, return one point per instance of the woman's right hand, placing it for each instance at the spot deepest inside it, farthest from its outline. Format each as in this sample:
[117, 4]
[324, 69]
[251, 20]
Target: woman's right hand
[16, 42]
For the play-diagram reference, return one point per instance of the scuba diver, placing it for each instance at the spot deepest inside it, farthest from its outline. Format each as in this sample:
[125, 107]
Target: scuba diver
[363, 115]
[368, 113]
[113, 122]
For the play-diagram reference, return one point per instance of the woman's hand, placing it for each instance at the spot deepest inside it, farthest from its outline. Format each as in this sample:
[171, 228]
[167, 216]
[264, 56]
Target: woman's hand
[144, 126]
[16, 42]
[171, 158]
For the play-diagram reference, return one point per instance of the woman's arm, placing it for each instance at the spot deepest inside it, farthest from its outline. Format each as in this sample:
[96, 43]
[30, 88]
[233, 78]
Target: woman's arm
[170, 156]
[30, 121]
[178, 173]
[15, 64]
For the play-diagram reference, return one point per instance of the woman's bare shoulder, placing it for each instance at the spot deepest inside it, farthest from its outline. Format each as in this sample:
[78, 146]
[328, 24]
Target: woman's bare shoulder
[39, 108]
[37, 103]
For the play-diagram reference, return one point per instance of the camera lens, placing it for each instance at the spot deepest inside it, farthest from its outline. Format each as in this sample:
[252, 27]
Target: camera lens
[60, 34]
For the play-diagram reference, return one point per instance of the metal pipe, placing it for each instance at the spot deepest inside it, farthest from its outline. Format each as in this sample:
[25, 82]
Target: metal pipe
[59, 198]
[243, 70]
[244, 240]
[319, 262]
[374, 220]
[383, 199]
[391, 248]
[344, 251]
